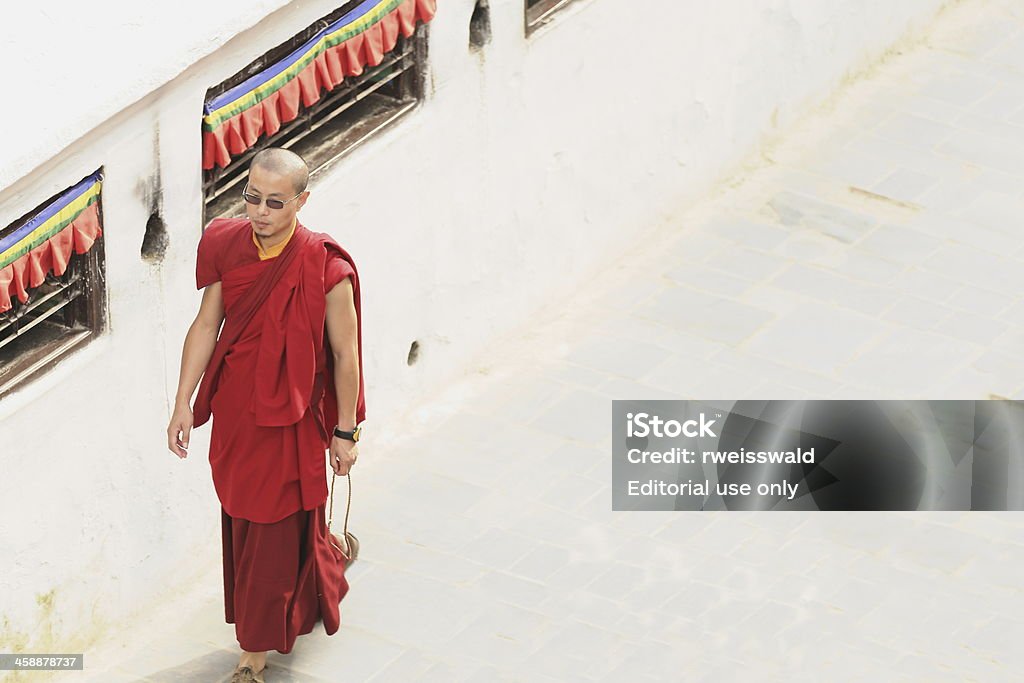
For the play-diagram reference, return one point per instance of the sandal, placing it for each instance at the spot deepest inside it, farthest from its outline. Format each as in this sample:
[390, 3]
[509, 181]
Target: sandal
[245, 674]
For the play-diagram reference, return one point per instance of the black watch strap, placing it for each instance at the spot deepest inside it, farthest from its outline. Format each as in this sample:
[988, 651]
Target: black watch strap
[351, 436]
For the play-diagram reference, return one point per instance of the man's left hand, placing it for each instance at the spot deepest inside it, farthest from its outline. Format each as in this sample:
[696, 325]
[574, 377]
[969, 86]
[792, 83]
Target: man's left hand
[343, 455]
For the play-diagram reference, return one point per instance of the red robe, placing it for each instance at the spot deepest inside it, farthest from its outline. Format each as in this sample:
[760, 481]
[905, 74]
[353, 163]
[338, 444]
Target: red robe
[267, 450]
[280, 579]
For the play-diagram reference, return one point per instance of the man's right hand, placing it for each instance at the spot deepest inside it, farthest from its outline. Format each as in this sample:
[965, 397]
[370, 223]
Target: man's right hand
[178, 430]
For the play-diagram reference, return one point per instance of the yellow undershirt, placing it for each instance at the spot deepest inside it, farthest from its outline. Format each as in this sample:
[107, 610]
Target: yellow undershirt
[277, 248]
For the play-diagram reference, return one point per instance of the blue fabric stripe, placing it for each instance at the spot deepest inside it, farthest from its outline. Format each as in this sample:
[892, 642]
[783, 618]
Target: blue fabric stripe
[272, 71]
[50, 211]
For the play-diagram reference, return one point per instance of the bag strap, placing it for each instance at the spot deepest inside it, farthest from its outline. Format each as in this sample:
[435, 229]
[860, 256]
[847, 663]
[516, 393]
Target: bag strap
[348, 505]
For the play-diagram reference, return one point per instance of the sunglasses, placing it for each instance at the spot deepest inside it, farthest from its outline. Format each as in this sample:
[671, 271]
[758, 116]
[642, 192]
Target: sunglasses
[271, 203]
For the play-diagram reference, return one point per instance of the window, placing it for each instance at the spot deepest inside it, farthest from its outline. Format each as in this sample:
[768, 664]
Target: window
[52, 289]
[321, 94]
[540, 12]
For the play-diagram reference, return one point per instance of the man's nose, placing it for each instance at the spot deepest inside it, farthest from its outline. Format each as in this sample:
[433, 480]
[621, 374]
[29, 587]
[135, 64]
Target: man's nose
[264, 210]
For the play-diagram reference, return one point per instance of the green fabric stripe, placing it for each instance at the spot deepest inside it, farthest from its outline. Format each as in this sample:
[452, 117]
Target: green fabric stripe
[293, 71]
[20, 251]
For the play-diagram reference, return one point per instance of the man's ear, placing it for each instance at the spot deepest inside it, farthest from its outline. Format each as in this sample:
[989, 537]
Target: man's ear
[301, 200]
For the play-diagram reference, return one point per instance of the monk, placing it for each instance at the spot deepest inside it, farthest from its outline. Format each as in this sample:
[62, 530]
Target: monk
[283, 382]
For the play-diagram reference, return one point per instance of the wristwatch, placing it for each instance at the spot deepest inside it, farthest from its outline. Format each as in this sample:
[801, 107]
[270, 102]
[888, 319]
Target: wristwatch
[351, 436]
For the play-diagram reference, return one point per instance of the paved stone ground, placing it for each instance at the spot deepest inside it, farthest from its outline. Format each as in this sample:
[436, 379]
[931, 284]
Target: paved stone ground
[878, 252]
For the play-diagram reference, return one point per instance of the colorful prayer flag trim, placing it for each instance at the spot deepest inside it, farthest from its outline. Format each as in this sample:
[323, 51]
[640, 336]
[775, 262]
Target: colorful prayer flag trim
[45, 242]
[234, 120]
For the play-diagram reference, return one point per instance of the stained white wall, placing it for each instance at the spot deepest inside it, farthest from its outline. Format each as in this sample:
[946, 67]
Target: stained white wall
[528, 164]
[76, 64]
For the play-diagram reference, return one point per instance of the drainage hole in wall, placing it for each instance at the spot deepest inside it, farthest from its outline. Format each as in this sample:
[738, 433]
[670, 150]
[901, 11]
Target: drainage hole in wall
[154, 243]
[480, 25]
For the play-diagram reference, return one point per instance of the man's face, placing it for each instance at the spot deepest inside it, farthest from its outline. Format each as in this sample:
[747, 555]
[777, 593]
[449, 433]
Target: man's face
[267, 222]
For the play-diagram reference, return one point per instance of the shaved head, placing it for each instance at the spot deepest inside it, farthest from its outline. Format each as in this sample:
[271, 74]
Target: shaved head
[283, 162]
[280, 176]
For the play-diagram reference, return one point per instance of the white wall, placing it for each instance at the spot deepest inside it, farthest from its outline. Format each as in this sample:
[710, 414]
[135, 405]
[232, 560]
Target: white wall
[528, 164]
[79, 63]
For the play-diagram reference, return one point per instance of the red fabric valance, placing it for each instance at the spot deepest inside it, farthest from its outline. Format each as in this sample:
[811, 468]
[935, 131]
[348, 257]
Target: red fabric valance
[30, 270]
[227, 134]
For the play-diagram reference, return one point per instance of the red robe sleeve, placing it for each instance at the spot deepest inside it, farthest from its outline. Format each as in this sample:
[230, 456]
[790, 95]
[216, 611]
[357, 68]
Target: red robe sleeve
[213, 247]
[207, 271]
[335, 270]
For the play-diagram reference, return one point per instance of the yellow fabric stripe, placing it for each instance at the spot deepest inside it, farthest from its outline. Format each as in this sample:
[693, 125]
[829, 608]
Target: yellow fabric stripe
[65, 215]
[370, 17]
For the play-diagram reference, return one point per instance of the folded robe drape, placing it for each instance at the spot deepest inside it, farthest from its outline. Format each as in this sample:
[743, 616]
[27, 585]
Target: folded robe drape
[280, 579]
[267, 453]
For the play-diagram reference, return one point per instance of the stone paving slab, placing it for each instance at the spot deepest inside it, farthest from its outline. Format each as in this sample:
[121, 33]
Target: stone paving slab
[876, 252]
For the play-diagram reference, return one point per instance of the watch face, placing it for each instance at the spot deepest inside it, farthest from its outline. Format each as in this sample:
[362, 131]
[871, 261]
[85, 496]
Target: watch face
[355, 433]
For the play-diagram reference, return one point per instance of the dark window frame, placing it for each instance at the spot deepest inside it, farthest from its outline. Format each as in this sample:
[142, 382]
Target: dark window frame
[539, 13]
[342, 120]
[61, 316]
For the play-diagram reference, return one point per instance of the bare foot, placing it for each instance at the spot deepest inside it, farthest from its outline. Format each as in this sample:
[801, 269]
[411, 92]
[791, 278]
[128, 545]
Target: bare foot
[255, 660]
